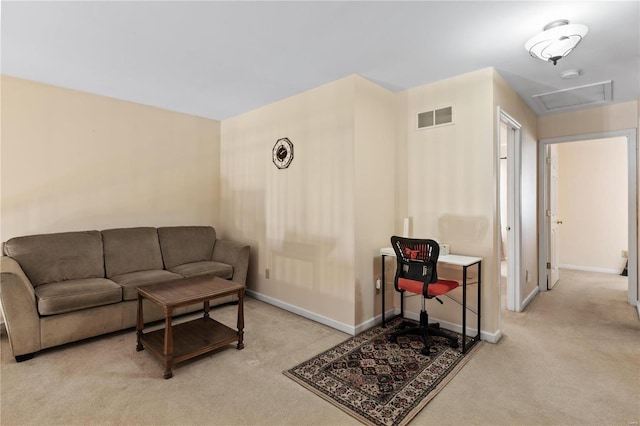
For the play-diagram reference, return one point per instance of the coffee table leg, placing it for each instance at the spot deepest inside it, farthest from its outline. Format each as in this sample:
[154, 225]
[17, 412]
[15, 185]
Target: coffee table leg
[168, 345]
[206, 309]
[139, 325]
[240, 319]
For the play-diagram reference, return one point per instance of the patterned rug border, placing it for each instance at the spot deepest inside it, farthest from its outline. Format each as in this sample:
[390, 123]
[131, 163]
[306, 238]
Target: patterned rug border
[410, 414]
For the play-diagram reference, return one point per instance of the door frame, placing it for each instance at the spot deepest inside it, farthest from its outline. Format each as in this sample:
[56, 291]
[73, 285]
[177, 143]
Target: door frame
[551, 160]
[630, 134]
[514, 216]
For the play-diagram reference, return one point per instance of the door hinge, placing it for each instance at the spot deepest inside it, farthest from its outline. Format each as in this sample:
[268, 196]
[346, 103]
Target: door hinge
[548, 265]
[548, 160]
[548, 213]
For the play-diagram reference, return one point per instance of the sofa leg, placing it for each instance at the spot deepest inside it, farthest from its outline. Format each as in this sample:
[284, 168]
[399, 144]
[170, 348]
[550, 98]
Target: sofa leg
[25, 357]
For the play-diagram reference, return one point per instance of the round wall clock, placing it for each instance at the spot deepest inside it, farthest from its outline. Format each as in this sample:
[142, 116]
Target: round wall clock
[282, 153]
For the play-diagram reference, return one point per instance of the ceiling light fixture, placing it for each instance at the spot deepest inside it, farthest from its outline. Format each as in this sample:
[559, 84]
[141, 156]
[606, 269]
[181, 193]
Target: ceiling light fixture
[556, 41]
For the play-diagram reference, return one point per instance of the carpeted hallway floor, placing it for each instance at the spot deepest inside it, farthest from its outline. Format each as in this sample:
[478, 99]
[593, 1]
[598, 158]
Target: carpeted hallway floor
[572, 358]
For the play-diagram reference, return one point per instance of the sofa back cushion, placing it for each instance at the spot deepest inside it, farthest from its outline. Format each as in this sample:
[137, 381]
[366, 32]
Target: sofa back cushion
[186, 244]
[57, 257]
[131, 250]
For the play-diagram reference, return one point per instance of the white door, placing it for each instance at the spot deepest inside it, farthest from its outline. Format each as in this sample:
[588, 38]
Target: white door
[552, 217]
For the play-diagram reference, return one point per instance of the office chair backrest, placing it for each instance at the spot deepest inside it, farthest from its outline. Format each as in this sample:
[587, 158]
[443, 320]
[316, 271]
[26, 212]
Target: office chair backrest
[416, 259]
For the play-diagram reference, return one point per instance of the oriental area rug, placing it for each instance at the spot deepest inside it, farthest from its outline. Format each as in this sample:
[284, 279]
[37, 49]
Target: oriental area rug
[378, 382]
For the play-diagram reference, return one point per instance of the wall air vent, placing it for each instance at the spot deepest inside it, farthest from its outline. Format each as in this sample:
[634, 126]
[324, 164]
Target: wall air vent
[435, 118]
[575, 97]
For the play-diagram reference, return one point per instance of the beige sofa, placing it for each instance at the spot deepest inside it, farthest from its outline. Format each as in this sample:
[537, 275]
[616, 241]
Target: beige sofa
[64, 287]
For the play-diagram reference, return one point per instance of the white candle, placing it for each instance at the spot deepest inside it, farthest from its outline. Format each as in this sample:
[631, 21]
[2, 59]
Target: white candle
[405, 227]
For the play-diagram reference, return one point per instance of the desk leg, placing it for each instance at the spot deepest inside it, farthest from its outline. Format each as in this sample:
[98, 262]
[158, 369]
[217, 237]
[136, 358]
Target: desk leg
[479, 296]
[384, 293]
[476, 338]
[464, 309]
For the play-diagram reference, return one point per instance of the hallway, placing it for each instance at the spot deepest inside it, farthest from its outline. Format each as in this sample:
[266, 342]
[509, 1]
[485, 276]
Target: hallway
[572, 357]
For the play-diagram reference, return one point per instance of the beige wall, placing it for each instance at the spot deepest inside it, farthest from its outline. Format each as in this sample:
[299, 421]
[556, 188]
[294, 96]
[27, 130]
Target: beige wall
[607, 118]
[374, 160]
[592, 204]
[76, 161]
[512, 104]
[300, 220]
[317, 225]
[401, 192]
[450, 183]
[449, 189]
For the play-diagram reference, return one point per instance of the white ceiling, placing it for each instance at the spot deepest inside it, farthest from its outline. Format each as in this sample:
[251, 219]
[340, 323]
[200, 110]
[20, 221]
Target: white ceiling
[219, 59]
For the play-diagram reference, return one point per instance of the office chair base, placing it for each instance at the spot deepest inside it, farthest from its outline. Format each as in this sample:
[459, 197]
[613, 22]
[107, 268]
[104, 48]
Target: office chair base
[432, 329]
[405, 324]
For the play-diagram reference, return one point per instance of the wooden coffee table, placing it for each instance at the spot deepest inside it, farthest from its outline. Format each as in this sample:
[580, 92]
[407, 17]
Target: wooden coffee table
[177, 343]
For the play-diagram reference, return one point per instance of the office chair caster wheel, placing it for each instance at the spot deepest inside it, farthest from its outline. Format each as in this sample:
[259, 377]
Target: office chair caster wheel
[453, 344]
[426, 351]
[392, 338]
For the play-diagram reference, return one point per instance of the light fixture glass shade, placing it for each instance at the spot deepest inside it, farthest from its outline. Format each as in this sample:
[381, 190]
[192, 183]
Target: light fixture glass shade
[557, 40]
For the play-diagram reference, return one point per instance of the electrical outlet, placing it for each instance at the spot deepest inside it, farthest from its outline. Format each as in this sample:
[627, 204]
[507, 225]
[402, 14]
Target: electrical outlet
[625, 254]
[378, 285]
[267, 273]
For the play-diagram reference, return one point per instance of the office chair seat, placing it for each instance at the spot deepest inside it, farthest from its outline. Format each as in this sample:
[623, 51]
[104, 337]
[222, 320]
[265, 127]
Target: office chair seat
[438, 288]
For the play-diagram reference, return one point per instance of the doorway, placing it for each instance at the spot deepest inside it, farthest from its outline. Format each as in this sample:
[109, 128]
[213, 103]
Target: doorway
[509, 180]
[548, 219]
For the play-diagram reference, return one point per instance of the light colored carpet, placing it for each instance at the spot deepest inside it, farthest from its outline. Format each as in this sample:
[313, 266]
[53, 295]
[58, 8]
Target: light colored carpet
[573, 357]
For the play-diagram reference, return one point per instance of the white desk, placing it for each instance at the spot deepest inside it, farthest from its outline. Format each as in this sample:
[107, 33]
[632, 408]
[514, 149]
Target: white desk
[451, 259]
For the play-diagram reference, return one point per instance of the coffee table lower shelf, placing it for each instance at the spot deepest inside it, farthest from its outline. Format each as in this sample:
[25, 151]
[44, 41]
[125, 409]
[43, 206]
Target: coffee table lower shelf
[190, 339]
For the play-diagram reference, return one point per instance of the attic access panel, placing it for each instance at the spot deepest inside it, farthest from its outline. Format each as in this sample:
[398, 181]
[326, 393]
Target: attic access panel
[575, 97]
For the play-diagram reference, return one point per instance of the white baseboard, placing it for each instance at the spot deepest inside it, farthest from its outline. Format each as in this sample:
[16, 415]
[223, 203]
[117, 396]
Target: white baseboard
[374, 321]
[484, 335]
[491, 337]
[349, 329]
[590, 269]
[529, 298]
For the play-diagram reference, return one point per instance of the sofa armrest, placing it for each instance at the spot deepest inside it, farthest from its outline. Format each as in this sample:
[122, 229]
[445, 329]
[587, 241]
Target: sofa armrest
[234, 254]
[18, 301]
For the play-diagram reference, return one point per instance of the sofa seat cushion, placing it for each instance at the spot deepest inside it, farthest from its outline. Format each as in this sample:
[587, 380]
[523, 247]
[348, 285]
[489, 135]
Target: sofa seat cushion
[131, 281]
[218, 269]
[73, 295]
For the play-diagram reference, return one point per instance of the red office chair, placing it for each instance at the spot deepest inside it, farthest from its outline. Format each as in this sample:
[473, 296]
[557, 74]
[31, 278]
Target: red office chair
[416, 272]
